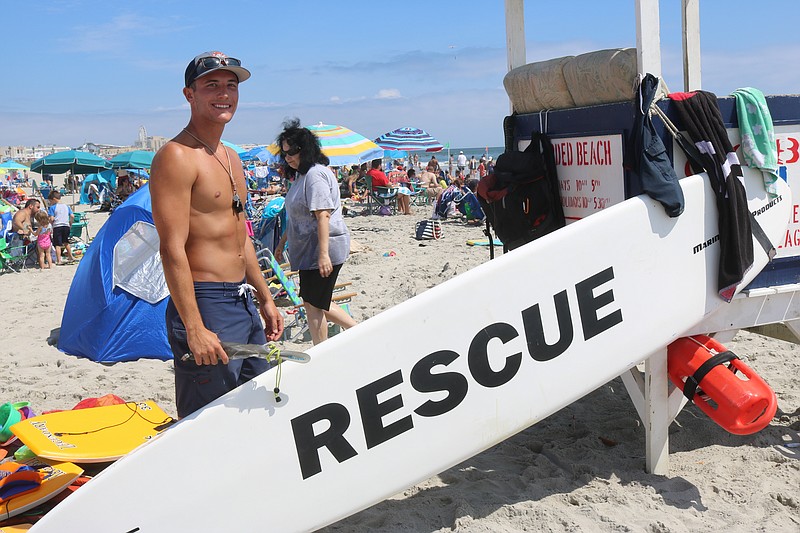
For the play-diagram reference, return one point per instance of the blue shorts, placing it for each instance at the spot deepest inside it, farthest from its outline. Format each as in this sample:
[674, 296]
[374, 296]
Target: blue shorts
[234, 318]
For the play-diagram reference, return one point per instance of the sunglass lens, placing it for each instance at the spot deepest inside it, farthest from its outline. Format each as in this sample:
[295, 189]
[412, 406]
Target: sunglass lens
[210, 62]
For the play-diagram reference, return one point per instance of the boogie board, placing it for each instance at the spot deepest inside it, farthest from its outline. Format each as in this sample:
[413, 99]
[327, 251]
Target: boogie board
[568, 313]
[497, 242]
[57, 476]
[94, 435]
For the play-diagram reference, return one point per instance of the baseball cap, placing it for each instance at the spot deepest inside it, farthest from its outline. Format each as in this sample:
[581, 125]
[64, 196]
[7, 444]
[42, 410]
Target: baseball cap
[207, 62]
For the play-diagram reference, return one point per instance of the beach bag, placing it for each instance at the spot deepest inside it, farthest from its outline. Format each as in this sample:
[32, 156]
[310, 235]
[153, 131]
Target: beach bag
[521, 198]
[426, 230]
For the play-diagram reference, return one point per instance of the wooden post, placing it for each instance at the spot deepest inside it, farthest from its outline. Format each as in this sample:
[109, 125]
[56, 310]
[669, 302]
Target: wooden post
[691, 45]
[648, 37]
[656, 413]
[515, 36]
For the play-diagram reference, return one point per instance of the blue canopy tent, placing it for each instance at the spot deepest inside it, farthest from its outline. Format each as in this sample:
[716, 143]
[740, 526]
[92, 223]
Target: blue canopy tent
[106, 179]
[105, 323]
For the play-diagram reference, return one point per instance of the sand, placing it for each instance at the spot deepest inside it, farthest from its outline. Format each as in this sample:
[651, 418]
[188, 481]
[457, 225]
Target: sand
[581, 469]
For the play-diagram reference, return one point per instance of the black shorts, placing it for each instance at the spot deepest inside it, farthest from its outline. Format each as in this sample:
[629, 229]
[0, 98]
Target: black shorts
[60, 235]
[316, 290]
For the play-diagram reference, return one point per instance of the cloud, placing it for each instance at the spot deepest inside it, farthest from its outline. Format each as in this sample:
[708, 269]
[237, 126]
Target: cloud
[117, 36]
[388, 94]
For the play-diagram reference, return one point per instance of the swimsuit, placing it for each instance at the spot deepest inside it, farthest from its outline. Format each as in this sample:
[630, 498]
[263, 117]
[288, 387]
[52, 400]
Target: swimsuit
[229, 311]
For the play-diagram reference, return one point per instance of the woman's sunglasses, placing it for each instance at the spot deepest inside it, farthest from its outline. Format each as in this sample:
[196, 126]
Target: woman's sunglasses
[291, 151]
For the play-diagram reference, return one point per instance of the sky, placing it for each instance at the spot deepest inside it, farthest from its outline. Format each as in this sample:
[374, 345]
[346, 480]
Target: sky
[95, 71]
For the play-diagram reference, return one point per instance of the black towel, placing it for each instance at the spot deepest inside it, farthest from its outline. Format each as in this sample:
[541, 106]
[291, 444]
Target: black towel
[700, 117]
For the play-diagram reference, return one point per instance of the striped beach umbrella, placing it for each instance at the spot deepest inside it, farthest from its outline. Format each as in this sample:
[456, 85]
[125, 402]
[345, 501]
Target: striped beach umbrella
[344, 146]
[410, 139]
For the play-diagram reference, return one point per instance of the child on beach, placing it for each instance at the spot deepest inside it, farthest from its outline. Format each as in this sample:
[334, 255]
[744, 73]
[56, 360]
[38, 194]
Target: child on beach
[44, 242]
[62, 218]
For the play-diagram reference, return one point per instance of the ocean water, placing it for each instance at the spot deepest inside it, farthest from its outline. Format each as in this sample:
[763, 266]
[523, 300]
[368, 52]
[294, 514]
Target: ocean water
[442, 156]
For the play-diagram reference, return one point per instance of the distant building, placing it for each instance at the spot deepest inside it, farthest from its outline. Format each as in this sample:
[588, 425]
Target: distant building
[146, 142]
[29, 154]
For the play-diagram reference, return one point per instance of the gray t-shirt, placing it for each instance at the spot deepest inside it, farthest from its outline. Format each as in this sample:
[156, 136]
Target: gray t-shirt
[314, 191]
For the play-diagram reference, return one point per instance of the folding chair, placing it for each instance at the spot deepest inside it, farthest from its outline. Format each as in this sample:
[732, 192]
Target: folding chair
[419, 195]
[382, 197]
[79, 224]
[298, 328]
[14, 258]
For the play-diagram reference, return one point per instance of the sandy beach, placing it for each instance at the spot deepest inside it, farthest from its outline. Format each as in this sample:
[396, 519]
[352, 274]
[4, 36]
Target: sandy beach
[581, 469]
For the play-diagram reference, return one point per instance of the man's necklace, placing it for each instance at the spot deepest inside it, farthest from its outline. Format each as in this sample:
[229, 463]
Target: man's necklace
[237, 202]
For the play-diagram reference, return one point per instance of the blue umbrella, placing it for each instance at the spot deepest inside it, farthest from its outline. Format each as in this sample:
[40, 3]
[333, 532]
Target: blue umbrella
[411, 139]
[73, 161]
[262, 153]
[395, 154]
[134, 159]
[13, 165]
[236, 148]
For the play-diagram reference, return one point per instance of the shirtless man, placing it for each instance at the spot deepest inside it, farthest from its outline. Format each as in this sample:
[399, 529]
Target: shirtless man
[198, 188]
[429, 182]
[22, 222]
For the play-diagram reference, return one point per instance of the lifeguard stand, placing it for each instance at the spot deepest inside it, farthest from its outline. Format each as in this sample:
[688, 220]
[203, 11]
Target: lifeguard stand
[770, 302]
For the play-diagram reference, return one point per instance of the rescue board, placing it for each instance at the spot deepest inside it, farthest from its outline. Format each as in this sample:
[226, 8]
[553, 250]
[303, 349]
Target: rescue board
[57, 476]
[370, 416]
[93, 435]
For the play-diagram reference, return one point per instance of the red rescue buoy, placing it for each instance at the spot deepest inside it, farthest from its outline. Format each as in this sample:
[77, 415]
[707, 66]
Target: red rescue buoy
[742, 403]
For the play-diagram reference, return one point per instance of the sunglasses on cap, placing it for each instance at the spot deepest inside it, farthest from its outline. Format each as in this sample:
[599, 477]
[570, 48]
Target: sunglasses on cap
[210, 61]
[207, 64]
[291, 151]
[204, 64]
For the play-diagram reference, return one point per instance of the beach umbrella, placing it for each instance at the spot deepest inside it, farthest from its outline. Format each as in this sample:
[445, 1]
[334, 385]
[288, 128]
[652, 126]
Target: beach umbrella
[74, 161]
[411, 139]
[12, 165]
[344, 146]
[265, 154]
[236, 148]
[395, 154]
[134, 159]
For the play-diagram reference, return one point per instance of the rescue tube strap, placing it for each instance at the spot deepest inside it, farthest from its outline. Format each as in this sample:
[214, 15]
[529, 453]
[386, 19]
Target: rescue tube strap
[693, 381]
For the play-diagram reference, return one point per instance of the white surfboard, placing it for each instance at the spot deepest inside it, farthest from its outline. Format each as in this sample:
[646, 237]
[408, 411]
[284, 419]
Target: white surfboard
[372, 414]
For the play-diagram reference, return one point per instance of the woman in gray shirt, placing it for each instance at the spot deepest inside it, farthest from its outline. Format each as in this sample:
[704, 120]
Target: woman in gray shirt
[318, 239]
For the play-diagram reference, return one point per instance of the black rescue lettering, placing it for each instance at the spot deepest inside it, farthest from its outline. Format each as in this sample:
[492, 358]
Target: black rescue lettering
[453, 383]
[534, 329]
[423, 380]
[308, 444]
[479, 355]
[589, 304]
[372, 411]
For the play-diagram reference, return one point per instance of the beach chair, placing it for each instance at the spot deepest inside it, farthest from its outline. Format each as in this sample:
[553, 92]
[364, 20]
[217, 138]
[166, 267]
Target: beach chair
[80, 223]
[419, 195]
[14, 258]
[382, 198]
[296, 330]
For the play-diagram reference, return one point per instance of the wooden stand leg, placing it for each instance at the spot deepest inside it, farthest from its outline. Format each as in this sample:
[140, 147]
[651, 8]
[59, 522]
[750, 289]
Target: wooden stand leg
[657, 402]
[656, 413]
